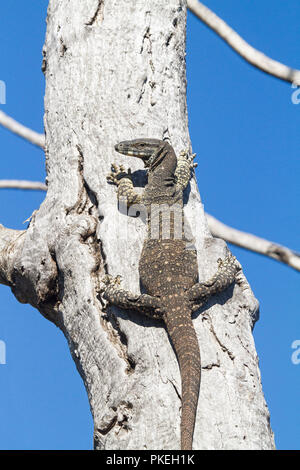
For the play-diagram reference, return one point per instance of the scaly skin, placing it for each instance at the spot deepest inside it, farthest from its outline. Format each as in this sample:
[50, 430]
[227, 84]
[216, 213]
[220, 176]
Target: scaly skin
[168, 267]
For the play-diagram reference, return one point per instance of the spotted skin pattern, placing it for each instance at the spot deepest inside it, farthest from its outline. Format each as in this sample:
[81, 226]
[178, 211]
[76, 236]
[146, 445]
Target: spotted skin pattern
[168, 270]
[185, 164]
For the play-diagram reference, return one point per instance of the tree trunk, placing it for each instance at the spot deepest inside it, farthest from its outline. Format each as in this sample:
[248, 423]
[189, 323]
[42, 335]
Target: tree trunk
[115, 70]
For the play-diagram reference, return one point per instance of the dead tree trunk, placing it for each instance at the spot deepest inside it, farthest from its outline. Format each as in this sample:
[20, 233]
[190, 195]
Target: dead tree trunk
[115, 71]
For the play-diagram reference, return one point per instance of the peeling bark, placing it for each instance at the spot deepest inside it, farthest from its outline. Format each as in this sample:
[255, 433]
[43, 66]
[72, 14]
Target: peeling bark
[120, 78]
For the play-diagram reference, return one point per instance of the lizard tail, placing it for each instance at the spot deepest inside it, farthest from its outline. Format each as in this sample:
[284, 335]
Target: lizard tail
[183, 336]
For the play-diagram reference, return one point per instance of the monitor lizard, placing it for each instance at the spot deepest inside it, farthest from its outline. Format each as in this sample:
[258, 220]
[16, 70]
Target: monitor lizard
[168, 266]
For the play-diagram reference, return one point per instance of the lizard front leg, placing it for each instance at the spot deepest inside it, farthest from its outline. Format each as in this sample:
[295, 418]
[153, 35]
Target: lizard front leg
[185, 164]
[143, 303]
[123, 180]
[224, 277]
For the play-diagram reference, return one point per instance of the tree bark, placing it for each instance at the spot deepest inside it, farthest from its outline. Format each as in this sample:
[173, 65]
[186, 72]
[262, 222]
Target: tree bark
[114, 71]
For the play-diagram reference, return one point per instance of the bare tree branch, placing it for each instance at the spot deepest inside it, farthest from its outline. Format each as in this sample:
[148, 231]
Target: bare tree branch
[239, 45]
[30, 283]
[11, 242]
[14, 126]
[20, 184]
[253, 243]
[251, 55]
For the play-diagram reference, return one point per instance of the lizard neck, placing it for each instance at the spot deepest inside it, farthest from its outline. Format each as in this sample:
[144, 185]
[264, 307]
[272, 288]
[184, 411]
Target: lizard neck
[162, 198]
[161, 174]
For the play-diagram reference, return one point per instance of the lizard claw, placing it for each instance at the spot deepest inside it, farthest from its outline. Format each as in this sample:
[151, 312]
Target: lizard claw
[184, 155]
[229, 263]
[110, 281]
[117, 173]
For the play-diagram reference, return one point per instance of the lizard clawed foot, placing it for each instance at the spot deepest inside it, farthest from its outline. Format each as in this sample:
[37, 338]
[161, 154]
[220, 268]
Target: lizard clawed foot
[229, 265]
[184, 155]
[117, 173]
[227, 269]
[110, 281]
[226, 275]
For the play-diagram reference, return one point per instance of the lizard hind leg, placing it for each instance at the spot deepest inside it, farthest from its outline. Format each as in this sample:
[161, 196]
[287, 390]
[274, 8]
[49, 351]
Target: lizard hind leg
[142, 303]
[222, 279]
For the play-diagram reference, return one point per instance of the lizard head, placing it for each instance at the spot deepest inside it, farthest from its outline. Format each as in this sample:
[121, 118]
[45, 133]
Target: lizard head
[141, 148]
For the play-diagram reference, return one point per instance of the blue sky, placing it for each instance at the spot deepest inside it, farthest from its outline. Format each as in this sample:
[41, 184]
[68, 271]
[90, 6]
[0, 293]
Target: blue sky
[245, 131]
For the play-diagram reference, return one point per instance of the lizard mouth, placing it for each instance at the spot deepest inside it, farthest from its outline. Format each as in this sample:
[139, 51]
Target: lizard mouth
[142, 153]
[150, 151]
[126, 149]
[131, 152]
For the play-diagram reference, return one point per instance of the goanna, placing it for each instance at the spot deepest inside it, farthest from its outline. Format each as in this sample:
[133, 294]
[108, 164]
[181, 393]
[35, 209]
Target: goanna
[168, 266]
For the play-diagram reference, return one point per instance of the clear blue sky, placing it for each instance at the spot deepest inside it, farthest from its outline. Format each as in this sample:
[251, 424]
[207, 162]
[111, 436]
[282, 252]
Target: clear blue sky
[245, 131]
